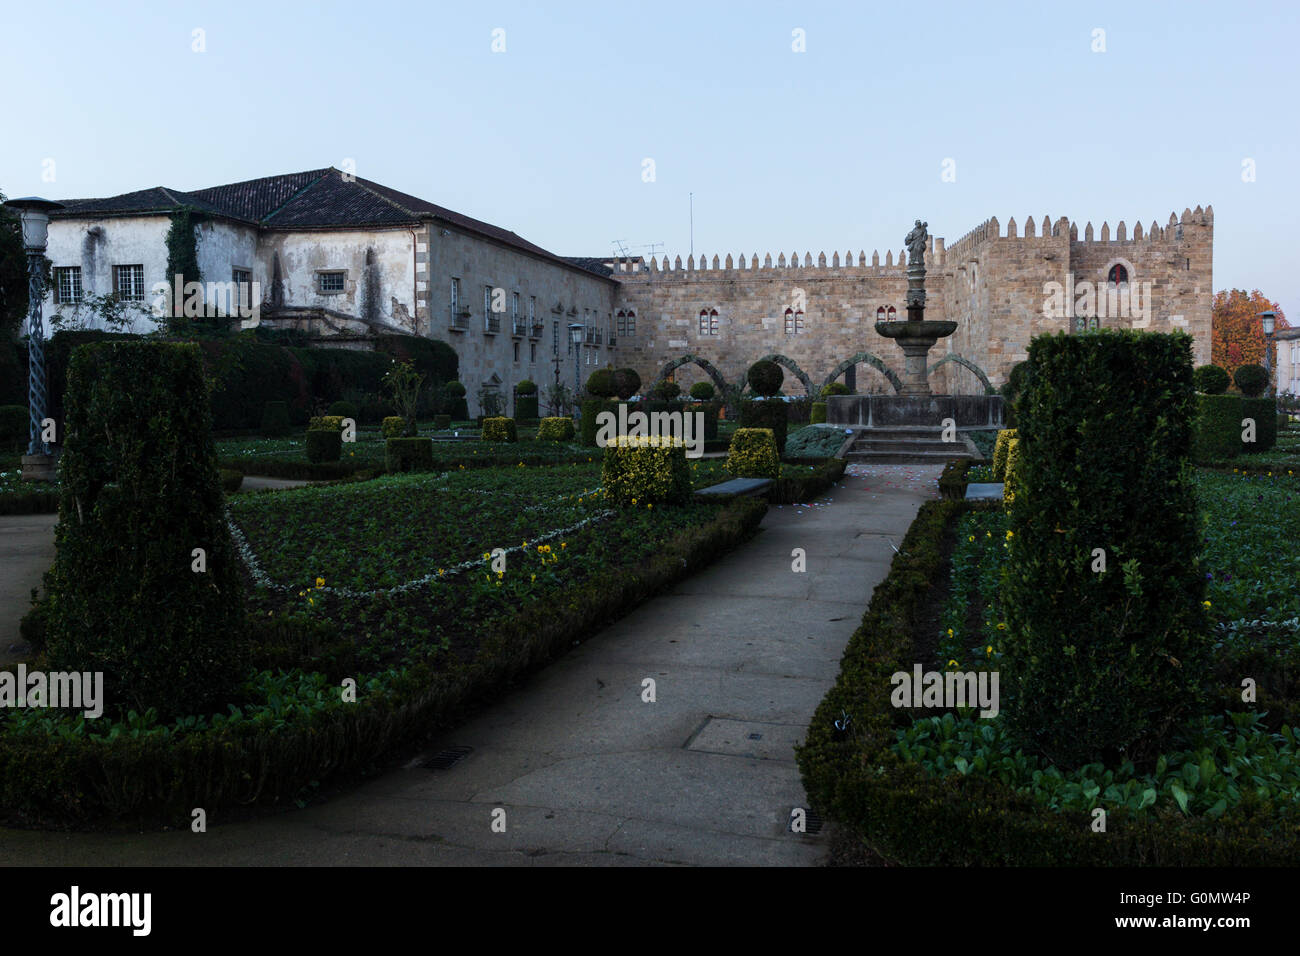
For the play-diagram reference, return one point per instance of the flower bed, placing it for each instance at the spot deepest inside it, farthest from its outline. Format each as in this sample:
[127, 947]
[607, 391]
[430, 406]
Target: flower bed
[955, 789]
[369, 582]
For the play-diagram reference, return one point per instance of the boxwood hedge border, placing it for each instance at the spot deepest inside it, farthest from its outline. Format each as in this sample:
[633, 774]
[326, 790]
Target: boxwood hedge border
[909, 818]
[55, 781]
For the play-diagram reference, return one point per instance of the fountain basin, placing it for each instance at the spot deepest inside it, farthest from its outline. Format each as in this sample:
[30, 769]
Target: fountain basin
[932, 329]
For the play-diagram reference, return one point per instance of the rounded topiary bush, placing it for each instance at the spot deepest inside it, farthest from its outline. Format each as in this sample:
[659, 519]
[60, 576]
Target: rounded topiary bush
[146, 585]
[626, 383]
[702, 391]
[526, 388]
[765, 377]
[324, 444]
[818, 414]
[835, 388]
[344, 409]
[1211, 380]
[600, 384]
[1251, 380]
[231, 479]
[454, 390]
[666, 391]
[393, 426]
[499, 429]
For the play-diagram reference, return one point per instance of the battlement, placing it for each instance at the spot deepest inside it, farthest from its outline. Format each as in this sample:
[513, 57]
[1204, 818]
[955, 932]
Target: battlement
[991, 229]
[626, 269]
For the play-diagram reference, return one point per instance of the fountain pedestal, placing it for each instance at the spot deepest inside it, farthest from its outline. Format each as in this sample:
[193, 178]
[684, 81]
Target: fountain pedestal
[916, 337]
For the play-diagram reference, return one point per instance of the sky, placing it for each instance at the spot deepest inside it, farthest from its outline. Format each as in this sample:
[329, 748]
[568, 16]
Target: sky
[803, 127]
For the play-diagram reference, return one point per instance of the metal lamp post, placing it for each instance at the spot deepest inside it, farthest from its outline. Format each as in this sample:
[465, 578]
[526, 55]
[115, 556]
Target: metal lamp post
[575, 340]
[34, 212]
[1268, 319]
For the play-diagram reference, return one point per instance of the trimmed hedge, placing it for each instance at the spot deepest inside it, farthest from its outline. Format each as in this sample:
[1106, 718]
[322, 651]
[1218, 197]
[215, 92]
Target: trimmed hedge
[324, 445]
[275, 420]
[392, 426]
[555, 429]
[591, 408]
[702, 391]
[796, 489]
[1264, 411]
[1000, 446]
[644, 471]
[952, 481]
[913, 819]
[1252, 380]
[42, 502]
[326, 423]
[408, 454]
[765, 377]
[600, 383]
[753, 454]
[1217, 427]
[1211, 380]
[526, 406]
[773, 415]
[1105, 431]
[626, 382]
[818, 414]
[344, 410]
[1011, 472]
[441, 422]
[140, 491]
[49, 779]
[230, 479]
[500, 429]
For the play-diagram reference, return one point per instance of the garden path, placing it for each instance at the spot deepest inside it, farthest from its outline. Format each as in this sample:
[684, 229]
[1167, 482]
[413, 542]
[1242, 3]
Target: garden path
[586, 770]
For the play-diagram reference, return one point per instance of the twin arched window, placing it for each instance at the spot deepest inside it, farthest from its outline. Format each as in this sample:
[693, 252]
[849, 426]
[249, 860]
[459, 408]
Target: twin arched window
[708, 321]
[626, 324]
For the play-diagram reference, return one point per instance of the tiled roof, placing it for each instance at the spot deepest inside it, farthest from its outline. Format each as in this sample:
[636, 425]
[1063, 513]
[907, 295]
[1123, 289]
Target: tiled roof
[317, 199]
[598, 266]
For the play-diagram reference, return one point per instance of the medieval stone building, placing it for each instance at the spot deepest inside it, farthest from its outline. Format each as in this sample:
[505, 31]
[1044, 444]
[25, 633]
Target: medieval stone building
[342, 258]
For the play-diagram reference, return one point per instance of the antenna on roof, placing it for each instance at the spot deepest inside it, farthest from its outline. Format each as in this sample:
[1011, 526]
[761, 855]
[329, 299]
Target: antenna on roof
[620, 248]
[653, 247]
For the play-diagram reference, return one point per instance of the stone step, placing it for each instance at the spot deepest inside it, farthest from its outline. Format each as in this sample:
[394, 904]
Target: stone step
[900, 444]
[906, 457]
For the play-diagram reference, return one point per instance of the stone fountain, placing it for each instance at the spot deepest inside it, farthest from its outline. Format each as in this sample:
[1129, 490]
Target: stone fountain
[915, 425]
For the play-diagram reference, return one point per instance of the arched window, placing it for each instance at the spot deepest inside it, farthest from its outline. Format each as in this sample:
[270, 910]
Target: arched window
[704, 321]
[789, 321]
[880, 314]
[713, 321]
[892, 314]
[631, 321]
[1118, 275]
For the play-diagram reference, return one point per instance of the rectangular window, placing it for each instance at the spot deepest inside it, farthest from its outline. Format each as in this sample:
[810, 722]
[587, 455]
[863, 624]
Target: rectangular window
[67, 284]
[331, 283]
[630, 324]
[532, 352]
[516, 351]
[243, 280]
[516, 322]
[128, 283]
[455, 302]
[491, 320]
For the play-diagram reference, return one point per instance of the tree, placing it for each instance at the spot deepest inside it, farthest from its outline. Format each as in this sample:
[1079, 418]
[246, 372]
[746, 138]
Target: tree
[13, 275]
[404, 383]
[1237, 337]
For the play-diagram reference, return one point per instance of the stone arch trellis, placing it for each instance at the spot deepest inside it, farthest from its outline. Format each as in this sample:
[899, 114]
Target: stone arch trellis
[703, 363]
[866, 358]
[789, 363]
[966, 363]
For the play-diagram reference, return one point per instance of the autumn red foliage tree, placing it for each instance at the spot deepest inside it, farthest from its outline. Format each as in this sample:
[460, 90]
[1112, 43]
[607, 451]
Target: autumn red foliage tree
[1237, 337]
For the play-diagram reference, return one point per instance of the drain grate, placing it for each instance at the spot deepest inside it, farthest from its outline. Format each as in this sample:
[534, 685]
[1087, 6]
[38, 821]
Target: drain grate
[446, 759]
[755, 736]
[812, 821]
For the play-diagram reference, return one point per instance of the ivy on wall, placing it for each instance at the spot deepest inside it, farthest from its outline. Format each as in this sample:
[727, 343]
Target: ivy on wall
[183, 252]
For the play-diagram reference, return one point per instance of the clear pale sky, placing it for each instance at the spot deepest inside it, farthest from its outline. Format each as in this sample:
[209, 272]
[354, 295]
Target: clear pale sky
[837, 147]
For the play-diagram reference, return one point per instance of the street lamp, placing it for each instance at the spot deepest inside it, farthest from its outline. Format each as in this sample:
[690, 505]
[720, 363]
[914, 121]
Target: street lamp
[575, 341]
[34, 213]
[1268, 319]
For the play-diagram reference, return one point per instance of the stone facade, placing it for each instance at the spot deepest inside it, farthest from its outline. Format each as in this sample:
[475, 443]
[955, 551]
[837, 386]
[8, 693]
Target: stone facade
[996, 285]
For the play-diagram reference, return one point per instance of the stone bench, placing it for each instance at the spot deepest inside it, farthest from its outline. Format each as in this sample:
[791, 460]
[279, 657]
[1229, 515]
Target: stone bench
[736, 486]
[983, 491]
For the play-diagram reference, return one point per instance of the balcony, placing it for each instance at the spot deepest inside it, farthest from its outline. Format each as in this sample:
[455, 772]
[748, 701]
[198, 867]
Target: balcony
[537, 330]
[492, 323]
[518, 327]
[459, 320]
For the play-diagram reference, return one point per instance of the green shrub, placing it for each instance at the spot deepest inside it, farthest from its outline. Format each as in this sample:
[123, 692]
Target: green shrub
[441, 422]
[805, 486]
[953, 480]
[140, 491]
[408, 454]
[555, 429]
[275, 420]
[392, 426]
[526, 388]
[34, 628]
[14, 427]
[1104, 436]
[454, 389]
[1217, 427]
[454, 402]
[665, 391]
[814, 441]
[626, 383]
[344, 410]
[702, 391]
[591, 409]
[1264, 413]
[600, 384]
[636, 472]
[525, 406]
[230, 479]
[1251, 380]
[765, 377]
[835, 388]
[326, 423]
[769, 414]
[435, 359]
[753, 454]
[324, 445]
[1000, 446]
[1011, 472]
[818, 414]
[710, 410]
[499, 429]
[1211, 380]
